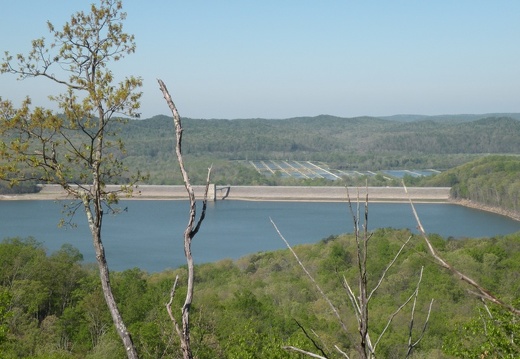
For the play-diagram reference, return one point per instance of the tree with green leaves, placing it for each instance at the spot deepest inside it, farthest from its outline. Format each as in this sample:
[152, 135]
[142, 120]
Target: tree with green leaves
[5, 301]
[77, 148]
[491, 333]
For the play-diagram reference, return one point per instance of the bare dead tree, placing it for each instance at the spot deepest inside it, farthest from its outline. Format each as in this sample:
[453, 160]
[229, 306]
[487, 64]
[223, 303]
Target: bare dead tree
[412, 344]
[360, 302]
[191, 230]
[481, 292]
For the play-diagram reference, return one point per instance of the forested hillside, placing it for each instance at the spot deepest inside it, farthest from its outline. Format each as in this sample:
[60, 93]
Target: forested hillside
[323, 137]
[490, 180]
[449, 118]
[51, 306]
[362, 143]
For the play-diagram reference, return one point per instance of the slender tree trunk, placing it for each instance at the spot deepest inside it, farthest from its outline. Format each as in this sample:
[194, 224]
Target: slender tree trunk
[94, 221]
[362, 244]
[191, 230]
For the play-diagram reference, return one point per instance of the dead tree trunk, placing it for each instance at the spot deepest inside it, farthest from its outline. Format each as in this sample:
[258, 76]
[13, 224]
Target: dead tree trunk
[191, 230]
[361, 301]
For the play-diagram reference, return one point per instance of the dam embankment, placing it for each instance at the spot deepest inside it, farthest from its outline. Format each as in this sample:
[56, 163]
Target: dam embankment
[267, 193]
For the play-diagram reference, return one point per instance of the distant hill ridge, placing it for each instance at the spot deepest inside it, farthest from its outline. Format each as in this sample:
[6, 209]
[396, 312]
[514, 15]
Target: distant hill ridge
[449, 118]
[358, 143]
[319, 137]
[397, 118]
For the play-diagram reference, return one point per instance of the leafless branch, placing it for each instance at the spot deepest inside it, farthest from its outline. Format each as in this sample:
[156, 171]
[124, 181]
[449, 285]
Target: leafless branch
[310, 338]
[191, 229]
[411, 345]
[360, 303]
[481, 291]
[487, 309]
[387, 268]
[353, 299]
[332, 307]
[341, 352]
[204, 205]
[290, 347]
[391, 318]
[326, 349]
[169, 307]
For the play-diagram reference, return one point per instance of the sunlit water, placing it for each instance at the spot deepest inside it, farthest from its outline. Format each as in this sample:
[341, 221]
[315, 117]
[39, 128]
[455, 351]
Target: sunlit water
[149, 234]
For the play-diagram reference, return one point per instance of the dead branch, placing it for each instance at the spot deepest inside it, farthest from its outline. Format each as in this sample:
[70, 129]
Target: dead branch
[314, 343]
[332, 307]
[481, 291]
[341, 352]
[169, 307]
[191, 229]
[388, 268]
[311, 354]
[411, 346]
[360, 303]
[413, 296]
[391, 318]
[353, 299]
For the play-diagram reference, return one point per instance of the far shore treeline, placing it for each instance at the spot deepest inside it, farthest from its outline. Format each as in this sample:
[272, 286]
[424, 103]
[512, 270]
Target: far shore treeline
[461, 146]
[362, 143]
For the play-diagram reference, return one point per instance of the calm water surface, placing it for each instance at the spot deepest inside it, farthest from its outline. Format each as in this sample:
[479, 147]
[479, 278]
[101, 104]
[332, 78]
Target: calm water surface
[149, 234]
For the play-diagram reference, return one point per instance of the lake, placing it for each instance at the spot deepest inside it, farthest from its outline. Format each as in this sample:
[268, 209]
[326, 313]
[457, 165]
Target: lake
[149, 234]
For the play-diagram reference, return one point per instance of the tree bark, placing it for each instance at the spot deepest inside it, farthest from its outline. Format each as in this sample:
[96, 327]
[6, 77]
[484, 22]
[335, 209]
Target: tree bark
[94, 220]
[191, 230]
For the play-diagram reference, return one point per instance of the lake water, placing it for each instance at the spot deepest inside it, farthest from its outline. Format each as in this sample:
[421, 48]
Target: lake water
[149, 234]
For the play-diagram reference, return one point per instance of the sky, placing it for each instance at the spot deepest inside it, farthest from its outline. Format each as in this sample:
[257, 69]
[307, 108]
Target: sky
[286, 58]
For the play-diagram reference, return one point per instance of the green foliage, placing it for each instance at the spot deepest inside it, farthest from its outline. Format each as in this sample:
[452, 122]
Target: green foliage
[491, 180]
[345, 143]
[77, 148]
[5, 304]
[35, 294]
[491, 333]
[130, 289]
[79, 144]
[23, 187]
[51, 306]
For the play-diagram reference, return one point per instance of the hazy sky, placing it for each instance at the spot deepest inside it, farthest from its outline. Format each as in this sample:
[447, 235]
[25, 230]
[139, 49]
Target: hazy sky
[287, 58]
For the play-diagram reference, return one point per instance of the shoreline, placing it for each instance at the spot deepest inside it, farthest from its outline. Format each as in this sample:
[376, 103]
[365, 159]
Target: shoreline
[263, 193]
[492, 209]
[281, 194]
